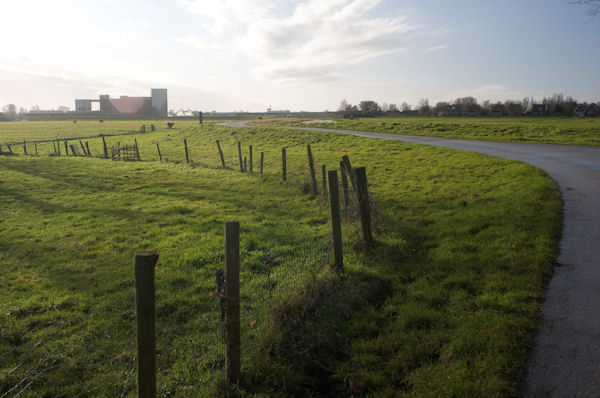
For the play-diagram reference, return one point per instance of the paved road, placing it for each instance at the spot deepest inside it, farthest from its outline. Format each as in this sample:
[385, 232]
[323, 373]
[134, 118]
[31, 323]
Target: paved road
[565, 361]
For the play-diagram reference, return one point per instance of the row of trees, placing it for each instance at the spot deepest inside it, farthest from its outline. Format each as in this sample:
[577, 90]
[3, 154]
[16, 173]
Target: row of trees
[556, 105]
[371, 108]
[9, 111]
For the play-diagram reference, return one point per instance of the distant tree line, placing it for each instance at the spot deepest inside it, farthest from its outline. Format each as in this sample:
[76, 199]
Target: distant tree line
[372, 108]
[556, 105]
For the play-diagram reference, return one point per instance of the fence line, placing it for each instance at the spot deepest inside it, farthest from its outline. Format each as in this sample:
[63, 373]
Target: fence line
[258, 289]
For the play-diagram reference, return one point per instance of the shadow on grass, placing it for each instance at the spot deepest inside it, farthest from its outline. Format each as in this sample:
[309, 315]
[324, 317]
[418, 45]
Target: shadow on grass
[311, 333]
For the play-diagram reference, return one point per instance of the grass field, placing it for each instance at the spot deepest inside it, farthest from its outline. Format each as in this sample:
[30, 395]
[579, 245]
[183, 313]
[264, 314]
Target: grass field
[566, 131]
[52, 130]
[445, 304]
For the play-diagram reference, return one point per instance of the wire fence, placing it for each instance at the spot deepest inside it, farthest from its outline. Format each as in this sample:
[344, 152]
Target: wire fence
[261, 288]
[265, 277]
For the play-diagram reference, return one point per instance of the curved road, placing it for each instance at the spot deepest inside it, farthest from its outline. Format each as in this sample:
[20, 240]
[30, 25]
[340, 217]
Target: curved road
[565, 360]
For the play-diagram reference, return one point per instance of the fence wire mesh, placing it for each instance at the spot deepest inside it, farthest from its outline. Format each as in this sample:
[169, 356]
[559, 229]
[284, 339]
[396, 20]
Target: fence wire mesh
[262, 287]
[264, 278]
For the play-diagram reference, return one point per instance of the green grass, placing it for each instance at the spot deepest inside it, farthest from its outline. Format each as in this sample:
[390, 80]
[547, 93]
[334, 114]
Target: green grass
[445, 304]
[566, 131]
[51, 130]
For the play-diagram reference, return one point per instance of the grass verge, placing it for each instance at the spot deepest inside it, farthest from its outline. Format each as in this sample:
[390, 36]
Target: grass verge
[565, 131]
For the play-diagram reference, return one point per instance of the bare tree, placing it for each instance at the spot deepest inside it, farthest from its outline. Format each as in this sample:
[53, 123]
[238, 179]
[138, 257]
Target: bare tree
[343, 106]
[525, 103]
[10, 108]
[347, 109]
[440, 107]
[594, 6]
[424, 108]
[369, 108]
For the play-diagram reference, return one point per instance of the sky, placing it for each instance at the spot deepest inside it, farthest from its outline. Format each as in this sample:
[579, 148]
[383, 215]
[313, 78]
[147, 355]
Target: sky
[247, 55]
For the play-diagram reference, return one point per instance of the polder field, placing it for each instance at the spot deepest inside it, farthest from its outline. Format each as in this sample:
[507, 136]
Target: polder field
[445, 303]
[547, 130]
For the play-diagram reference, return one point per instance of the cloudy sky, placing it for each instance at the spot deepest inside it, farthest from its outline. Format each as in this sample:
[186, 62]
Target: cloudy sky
[229, 55]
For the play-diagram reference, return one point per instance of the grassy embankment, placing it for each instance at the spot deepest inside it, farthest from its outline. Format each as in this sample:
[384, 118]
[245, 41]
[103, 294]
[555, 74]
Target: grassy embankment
[566, 131]
[444, 305]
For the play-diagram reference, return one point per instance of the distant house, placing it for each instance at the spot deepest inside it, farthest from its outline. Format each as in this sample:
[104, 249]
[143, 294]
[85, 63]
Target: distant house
[592, 109]
[450, 110]
[539, 110]
[497, 109]
[412, 112]
[589, 110]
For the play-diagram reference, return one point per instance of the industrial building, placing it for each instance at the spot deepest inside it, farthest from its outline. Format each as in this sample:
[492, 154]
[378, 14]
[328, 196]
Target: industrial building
[124, 106]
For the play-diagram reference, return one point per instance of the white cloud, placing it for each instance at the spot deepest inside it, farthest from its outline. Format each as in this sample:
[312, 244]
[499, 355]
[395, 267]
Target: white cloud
[435, 49]
[217, 51]
[315, 42]
[223, 14]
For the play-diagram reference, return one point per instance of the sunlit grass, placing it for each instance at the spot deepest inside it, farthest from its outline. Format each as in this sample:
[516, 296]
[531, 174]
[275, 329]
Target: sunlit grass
[444, 304]
[568, 131]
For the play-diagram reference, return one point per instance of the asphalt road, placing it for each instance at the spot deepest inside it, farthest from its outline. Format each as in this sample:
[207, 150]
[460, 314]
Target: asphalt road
[565, 360]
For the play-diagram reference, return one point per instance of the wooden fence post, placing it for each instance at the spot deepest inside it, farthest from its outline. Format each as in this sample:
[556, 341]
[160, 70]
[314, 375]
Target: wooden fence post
[245, 164]
[336, 225]
[187, 159]
[345, 186]
[9, 149]
[311, 165]
[350, 172]
[284, 164]
[363, 204]
[145, 313]
[67, 149]
[221, 154]
[83, 148]
[73, 149]
[54, 145]
[58, 147]
[35, 144]
[240, 155]
[24, 147]
[262, 158]
[87, 147]
[324, 176]
[232, 298]
[105, 148]
[250, 157]
[159, 154]
[137, 150]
